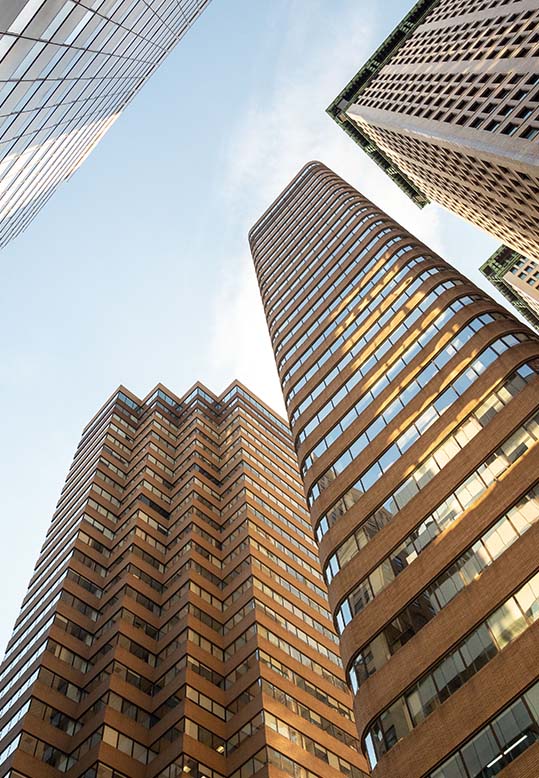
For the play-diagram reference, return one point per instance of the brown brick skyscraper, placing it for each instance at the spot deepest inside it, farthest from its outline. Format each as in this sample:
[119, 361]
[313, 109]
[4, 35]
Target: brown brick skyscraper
[449, 107]
[177, 623]
[414, 405]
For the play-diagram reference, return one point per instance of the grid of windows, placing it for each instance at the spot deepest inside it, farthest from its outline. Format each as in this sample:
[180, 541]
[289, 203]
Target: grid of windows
[466, 569]
[412, 432]
[429, 469]
[180, 538]
[492, 33]
[499, 743]
[440, 170]
[449, 105]
[499, 630]
[507, 103]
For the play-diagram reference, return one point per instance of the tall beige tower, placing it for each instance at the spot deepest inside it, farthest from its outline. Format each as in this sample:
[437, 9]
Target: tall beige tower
[67, 71]
[448, 106]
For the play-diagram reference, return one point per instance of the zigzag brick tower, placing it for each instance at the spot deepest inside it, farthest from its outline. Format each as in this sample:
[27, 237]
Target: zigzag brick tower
[413, 400]
[176, 623]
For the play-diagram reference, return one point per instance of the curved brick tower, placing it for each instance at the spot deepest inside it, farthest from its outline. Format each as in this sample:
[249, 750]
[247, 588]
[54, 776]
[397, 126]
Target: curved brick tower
[413, 400]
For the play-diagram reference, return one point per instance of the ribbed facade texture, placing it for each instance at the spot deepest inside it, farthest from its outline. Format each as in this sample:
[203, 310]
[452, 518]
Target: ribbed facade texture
[517, 278]
[413, 400]
[68, 68]
[453, 104]
[176, 623]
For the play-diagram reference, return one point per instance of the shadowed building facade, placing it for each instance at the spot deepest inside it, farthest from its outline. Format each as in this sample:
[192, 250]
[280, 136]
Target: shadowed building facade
[448, 106]
[67, 71]
[413, 400]
[176, 623]
[517, 278]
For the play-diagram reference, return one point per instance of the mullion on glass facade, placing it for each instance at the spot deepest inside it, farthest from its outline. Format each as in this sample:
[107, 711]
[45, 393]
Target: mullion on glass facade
[67, 71]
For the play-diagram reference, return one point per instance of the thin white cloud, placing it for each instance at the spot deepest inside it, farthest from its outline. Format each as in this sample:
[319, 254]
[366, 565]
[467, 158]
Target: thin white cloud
[283, 128]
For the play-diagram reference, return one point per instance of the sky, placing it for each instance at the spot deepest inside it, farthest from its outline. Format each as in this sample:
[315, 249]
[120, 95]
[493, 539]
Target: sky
[138, 270]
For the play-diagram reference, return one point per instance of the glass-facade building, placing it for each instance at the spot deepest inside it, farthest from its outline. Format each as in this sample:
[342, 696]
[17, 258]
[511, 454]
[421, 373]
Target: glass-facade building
[68, 68]
[448, 106]
[413, 401]
[177, 621]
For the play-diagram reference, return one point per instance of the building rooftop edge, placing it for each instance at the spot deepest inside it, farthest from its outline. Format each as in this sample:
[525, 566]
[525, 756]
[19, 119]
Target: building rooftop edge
[311, 163]
[337, 108]
[495, 267]
[179, 399]
[504, 254]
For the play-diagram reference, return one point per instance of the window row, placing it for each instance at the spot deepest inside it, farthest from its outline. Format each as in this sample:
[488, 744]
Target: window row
[349, 261]
[354, 320]
[449, 674]
[291, 228]
[329, 229]
[354, 348]
[296, 265]
[407, 392]
[414, 431]
[297, 305]
[293, 196]
[311, 746]
[366, 366]
[442, 455]
[466, 569]
[497, 744]
[334, 298]
[445, 514]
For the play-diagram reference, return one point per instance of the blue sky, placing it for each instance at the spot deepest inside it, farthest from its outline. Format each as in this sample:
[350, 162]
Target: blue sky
[138, 269]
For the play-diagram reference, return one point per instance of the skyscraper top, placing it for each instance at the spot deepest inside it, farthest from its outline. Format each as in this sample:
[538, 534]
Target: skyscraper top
[178, 403]
[177, 621]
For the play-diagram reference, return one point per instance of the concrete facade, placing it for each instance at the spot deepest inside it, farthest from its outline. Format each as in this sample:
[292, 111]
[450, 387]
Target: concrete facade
[517, 278]
[450, 103]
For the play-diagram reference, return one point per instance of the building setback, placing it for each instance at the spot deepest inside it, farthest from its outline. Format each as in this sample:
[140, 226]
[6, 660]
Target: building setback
[448, 106]
[413, 400]
[67, 71]
[517, 278]
[177, 620]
